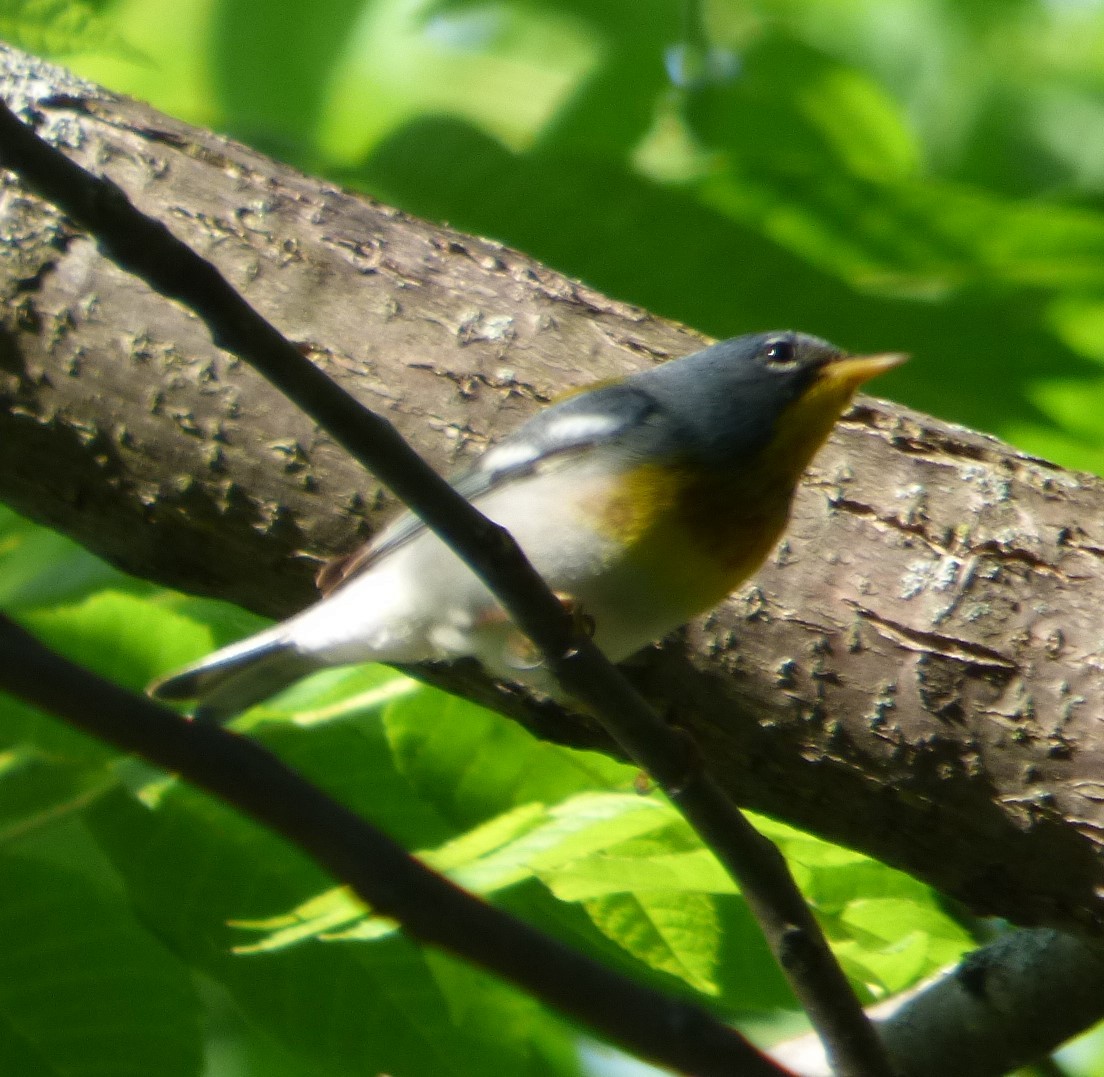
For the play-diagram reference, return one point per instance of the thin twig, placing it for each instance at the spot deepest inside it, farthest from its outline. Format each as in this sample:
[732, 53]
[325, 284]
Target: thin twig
[146, 248]
[384, 875]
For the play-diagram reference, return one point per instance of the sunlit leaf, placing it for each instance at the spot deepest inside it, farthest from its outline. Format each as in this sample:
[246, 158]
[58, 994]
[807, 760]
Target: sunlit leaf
[39, 567]
[679, 934]
[123, 637]
[62, 28]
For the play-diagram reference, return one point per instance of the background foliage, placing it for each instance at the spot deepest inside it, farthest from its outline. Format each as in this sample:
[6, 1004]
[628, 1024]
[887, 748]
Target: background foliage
[923, 175]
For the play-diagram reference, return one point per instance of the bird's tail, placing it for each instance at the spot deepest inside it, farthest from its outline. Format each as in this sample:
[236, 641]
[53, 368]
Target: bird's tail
[232, 680]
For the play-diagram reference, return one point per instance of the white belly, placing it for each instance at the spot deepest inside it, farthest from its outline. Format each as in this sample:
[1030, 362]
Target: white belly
[421, 602]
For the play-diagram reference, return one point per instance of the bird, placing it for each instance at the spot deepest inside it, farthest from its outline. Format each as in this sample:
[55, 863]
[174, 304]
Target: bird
[642, 502]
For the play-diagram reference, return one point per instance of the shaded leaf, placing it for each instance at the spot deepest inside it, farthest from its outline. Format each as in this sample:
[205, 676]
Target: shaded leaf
[473, 764]
[83, 988]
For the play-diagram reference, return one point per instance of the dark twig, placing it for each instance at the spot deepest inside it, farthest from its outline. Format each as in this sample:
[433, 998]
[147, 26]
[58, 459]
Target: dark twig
[384, 875]
[146, 248]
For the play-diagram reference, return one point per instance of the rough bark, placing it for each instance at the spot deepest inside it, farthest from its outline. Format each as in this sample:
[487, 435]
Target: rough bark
[1002, 1007]
[917, 672]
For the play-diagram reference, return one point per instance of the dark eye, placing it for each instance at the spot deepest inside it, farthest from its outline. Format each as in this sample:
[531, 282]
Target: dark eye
[780, 352]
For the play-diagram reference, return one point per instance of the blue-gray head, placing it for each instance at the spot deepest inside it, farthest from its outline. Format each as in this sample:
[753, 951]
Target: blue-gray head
[736, 397]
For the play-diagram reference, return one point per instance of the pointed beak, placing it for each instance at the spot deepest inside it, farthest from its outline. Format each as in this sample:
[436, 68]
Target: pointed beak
[850, 371]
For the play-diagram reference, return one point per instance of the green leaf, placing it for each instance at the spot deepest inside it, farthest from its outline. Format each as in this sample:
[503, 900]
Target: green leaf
[39, 567]
[897, 942]
[339, 914]
[472, 764]
[125, 637]
[506, 69]
[591, 823]
[192, 866]
[18, 1055]
[333, 914]
[120, 636]
[61, 27]
[337, 695]
[647, 884]
[278, 104]
[861, 122]
[352, 761]
[489, 838]
[692, 872]
[83, 988]
[523, 843]
[679, 934]
[36, 790]
[887, 928]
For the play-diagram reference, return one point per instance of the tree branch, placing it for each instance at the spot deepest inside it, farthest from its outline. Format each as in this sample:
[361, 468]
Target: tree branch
[913, 675]
[1003, 1007]
[148, 249]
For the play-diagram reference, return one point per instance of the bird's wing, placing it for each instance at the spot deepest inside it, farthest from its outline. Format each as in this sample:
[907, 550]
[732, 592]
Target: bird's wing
[550, 438]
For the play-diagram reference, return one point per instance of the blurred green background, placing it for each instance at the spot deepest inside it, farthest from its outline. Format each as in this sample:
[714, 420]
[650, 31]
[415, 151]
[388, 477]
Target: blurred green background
[918, 175]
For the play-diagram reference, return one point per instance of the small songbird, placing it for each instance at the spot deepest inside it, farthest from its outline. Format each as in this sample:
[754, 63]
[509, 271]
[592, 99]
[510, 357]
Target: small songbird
[641, 502]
